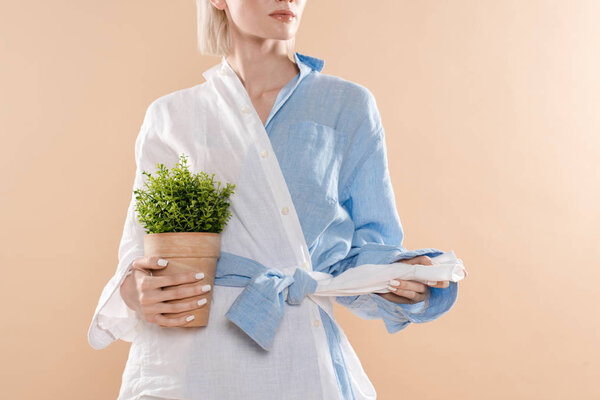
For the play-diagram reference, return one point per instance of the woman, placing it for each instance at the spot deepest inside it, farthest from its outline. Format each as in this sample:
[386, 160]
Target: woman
[328, 143]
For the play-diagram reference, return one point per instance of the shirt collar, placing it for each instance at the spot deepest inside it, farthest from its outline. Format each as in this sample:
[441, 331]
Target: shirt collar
[313, 63]
[305, 63]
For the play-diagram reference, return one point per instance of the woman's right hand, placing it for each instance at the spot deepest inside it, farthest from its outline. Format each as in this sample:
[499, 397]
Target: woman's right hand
[144, 293]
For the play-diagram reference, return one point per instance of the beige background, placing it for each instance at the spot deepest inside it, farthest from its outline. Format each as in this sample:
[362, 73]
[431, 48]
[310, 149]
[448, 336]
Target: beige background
[491, 111]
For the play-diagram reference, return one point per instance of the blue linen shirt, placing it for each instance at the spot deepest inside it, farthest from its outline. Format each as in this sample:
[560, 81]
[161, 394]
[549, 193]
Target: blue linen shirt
[330, 143]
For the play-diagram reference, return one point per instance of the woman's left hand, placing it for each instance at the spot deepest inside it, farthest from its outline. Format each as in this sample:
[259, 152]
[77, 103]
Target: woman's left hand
[410, 292]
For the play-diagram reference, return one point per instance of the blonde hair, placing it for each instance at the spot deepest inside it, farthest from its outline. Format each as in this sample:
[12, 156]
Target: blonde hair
[214, 38]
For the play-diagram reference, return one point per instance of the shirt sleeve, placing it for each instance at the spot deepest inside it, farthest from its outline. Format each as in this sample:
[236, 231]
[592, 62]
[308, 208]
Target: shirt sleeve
[368, 196]
[113, 319]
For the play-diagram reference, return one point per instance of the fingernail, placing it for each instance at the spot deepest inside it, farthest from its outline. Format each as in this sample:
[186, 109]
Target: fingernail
[201, 301]
[432, 283]
[162, 262]
[393, 289]
[200, 275]
[189, 318]
[205, 288]
[394, 282]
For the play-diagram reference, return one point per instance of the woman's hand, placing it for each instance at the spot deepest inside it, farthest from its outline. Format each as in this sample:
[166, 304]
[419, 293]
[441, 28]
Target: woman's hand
[144, 293]
[411, 292]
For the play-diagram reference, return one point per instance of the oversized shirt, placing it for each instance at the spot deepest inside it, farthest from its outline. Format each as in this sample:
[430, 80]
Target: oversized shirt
[329, 142]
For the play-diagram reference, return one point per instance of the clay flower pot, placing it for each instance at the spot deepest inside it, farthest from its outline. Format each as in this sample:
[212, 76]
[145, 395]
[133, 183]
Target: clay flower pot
[187, 251]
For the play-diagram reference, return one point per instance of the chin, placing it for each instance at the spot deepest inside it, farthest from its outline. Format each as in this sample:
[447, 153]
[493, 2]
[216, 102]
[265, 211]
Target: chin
[279, 35]
[283, 37]
[283, 34]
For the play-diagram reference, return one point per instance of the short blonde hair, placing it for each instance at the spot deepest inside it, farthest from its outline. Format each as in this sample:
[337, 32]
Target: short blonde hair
[213, 31]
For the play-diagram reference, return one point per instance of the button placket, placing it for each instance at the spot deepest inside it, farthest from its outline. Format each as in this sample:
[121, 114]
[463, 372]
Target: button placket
[274, 177]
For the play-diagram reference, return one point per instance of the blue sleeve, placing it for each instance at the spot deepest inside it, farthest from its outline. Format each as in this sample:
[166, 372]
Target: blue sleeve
[369, 198]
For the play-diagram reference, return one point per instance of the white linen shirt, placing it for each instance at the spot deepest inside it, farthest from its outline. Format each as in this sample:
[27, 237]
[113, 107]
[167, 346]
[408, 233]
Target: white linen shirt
[324, 183]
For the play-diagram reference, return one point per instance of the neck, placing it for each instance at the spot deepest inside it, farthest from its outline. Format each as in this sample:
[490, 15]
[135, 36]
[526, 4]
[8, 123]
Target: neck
[262, 66]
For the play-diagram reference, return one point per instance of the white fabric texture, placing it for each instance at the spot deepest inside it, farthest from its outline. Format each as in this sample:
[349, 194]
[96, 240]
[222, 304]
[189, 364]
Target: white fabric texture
[374, 278]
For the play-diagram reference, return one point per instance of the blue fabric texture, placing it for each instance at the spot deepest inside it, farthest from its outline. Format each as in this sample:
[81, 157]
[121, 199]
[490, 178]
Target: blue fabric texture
[260, 307]
[330, 143]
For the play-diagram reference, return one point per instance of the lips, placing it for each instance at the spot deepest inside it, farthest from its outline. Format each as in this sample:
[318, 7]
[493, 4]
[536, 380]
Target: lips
[283, 12]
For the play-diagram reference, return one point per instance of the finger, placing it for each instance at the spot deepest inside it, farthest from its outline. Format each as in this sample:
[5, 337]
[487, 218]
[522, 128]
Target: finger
[173, 321]
[424, 260]
[394, 298]
[408, 285]
[173, 308]
[181, 292]
[409, 294]
[150, 262]
[142, 270]
[439, 284]
[174, 279]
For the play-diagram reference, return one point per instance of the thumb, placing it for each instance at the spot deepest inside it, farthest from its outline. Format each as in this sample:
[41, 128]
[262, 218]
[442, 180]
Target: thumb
[156, 262]
[146, 263]
[423, 260]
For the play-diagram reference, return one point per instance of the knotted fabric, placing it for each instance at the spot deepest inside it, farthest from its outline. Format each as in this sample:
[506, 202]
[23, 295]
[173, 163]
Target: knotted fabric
[259, 308]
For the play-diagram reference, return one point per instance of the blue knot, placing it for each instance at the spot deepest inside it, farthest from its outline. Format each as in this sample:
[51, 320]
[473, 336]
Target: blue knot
[303, 284]
[259, 308]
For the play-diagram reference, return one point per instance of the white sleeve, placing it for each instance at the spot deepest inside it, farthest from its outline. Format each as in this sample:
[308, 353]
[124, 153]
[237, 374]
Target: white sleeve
[113, 319]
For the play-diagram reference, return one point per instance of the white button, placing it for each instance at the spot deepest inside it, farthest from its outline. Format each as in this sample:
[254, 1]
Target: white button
[264, 154]
[316, 323]
[223, 71]
[285, 210]
[305, 265]
[245, 109]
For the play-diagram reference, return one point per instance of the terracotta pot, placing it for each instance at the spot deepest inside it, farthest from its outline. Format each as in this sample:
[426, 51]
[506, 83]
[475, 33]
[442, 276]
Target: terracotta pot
[187, 251]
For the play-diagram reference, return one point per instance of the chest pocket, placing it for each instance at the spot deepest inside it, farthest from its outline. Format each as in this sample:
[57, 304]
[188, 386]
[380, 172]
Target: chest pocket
[312, 156]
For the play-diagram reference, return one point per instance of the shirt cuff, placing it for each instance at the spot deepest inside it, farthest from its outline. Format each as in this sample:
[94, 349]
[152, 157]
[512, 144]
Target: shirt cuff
[437, 303]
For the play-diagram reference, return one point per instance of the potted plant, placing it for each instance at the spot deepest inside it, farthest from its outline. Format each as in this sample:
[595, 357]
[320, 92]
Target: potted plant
[184, 214]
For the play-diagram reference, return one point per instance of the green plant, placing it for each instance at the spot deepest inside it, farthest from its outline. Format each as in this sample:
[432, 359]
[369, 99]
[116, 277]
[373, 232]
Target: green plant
[178, 201]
